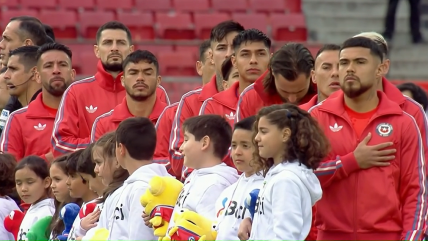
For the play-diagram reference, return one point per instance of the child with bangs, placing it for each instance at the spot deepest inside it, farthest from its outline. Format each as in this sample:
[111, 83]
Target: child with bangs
[7, 180]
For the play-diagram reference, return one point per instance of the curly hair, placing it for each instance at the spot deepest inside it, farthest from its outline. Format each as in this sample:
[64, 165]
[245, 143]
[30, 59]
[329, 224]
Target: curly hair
[7, 177]
[307, 143]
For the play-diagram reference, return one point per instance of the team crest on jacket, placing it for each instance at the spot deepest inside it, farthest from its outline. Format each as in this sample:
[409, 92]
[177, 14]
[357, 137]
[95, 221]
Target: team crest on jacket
[384, 129]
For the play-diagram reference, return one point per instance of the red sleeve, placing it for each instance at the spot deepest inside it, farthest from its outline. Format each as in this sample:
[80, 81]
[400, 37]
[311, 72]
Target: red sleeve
[11, 138]
[97, 128]
[244, 105]
[66, 128]
[422, 122]
[335, 168]
[313, 232]
[163, 95]
[163, 131]
[207, 107]
[413, 192]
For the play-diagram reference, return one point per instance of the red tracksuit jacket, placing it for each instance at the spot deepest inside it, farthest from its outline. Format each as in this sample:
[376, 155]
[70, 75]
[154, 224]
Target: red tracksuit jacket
[253, 98]
[379, 203]
[311, 103]
[189, 106]
[28, 130]
[81, 104]
[223, 103]
[111, 120]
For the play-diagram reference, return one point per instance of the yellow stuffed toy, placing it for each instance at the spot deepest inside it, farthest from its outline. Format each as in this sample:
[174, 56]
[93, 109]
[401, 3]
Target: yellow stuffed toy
[159, 201]
[100, 235]
[189, 225]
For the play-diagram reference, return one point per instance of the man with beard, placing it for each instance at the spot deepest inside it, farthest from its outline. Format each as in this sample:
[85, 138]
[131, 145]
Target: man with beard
[89, 98]
[374, 183]
[140, 79]
[28, 130]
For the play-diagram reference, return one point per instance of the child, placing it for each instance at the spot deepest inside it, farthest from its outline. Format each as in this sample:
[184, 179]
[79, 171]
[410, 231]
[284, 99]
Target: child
[207, 139]
[85, 168]
[32, 183]
[62, 195]
[79, 188]
[135, 147]
[230, 208]
[7, 180]
[290, 147]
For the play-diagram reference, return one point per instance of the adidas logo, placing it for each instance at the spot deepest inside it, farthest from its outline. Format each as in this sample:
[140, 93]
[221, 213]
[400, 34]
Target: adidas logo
[91, 109]
[335, 128]
[231, 116]
[40, 127]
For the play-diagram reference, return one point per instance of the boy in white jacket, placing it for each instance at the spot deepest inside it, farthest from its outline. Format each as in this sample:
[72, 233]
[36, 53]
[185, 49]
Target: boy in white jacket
[206, 142]
[230, 207]
[135, 147]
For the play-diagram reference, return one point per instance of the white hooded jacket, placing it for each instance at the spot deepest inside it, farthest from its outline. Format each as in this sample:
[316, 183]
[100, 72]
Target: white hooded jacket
[127, 223]
[202, 188]
[230, 206]
[36, 211]
[284, 205]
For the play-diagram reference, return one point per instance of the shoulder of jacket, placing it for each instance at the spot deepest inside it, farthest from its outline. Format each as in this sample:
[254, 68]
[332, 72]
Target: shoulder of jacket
[247, 90]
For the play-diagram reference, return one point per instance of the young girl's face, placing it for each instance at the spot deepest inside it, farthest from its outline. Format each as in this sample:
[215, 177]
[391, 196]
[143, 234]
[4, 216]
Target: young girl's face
[104, 168]
[59, 183]
[270, 140]
[76, 186]
[31, 188]
[242, 151]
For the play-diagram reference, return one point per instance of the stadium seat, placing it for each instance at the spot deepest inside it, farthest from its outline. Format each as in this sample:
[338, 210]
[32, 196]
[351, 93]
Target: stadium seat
[13, 4]
[42, 4]
[89, 63]
[191, 49]
[177, 26]
[77, 50]
[91, 21]
[76, 4]
[230, 6]
[267, 6]
[293, 6]
[6, 15]
[153, 5]
[191, 5]
[114, 4]
[176, 64]
[204, 22]
[155, 49]
[254, 20]
[289, 27]
[140, 24]
[63, 22]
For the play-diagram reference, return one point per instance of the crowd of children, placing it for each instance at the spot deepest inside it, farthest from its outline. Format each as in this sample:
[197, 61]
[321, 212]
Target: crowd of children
[108, 178]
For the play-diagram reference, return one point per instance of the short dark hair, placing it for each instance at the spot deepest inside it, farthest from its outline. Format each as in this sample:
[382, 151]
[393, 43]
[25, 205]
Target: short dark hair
[245, 124]
[27, 56]
[226, 68]
[26, 18]
[419, 94]
[49, 32]
[251, 35]
[84, 163]
[138, 135]
[289, 61]
[363, 42]
[327, 47]
[215, 127]
[72, 160]
[141, 55]
[114, 25]
[3, 70]
[222, 29]
[32, 30]
[205, 45]
[53, 46]
[7, 168]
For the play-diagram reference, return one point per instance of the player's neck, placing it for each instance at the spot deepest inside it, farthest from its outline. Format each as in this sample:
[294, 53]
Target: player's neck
[25, 98]
[141, 108]
[49, 100]
[366, 102]
[242, 85]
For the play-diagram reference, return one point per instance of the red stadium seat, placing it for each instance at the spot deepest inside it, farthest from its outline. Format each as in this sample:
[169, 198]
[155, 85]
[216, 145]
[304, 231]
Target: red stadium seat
[140, 24]
[155, 49]
[254, 20]
[9, 3]
[89, 63]
[191, 49]
[176, 64]
[267, 6]
[293, 6]
[289, 27]
[153, 5]
[191, 5]
[63, 22]
[204, 22]
[6, 15]
[76, 4]
[177, 26]
[91, 21]
[78, 50]
[114, 4]
[42, 4]
[230, 6]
